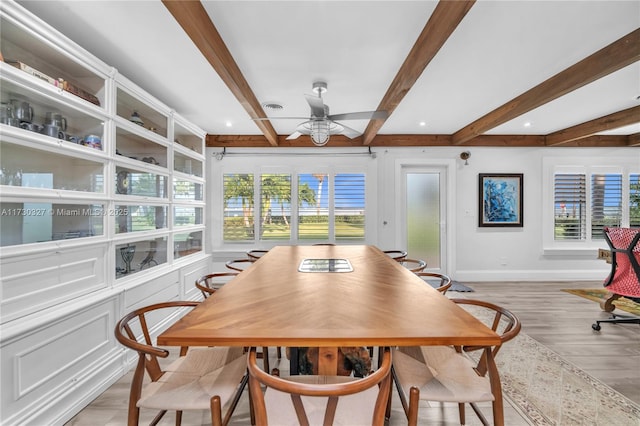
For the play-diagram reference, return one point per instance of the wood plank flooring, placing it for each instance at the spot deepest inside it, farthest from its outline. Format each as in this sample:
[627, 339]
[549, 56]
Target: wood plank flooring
[557, 319]
[562, 322]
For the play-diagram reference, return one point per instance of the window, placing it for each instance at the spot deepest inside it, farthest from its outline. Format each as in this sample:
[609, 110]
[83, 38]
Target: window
[606, 202]
[321, 206]
[275, 207]
[570, 202]
[349, 206]
[596, 197]
[238, 207]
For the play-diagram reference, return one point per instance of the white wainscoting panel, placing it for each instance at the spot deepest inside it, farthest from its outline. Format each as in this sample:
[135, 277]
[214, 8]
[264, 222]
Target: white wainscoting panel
[35, 282]
[56, 357]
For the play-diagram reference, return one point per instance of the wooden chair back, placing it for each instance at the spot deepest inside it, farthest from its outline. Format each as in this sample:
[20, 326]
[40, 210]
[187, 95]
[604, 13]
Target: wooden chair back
[504, 322]
[256, 254]
[397, 255]
[443, 282]
[239, 264]
[208, 284]
[414, 265]
[331, 391]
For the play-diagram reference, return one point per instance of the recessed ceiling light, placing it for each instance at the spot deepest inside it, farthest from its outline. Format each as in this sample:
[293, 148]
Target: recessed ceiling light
[423, 123]
[527, 124]
[228, 124]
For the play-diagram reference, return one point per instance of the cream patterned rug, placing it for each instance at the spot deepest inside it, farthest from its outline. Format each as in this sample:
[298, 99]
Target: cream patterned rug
[551, 391]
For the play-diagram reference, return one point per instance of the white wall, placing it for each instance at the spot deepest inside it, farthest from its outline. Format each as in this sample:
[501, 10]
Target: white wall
[486, 254]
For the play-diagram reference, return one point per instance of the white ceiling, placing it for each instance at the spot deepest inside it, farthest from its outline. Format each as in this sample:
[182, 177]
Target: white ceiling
[500, 50]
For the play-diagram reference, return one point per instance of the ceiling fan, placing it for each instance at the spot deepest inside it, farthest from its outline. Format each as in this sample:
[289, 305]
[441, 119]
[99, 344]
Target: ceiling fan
[321, 125]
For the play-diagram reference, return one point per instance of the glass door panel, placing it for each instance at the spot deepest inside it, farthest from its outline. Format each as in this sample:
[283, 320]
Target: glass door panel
[423, 217]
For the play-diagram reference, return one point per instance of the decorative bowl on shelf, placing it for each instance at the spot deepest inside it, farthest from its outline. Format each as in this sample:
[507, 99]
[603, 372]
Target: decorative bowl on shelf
[135, 118]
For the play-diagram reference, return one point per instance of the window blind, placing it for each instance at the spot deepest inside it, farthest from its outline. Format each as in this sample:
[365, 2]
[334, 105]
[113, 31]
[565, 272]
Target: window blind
[570, 201]
[606, 202]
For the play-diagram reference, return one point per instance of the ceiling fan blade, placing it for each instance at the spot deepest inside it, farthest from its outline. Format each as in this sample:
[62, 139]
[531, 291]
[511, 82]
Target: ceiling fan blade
[348, 131]
[317, 106]
[362, 115]
[294, 135]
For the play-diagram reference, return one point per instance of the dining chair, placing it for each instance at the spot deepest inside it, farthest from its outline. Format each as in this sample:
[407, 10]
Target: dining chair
[438, 281]
[210, 283]
[414, 265]
[256, 254]
[397, 255]
[239, 264]
[452, 374]
[318, 399]
[210, 378]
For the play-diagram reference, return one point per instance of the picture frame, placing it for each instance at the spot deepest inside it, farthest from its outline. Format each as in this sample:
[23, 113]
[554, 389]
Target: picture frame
[500, 200]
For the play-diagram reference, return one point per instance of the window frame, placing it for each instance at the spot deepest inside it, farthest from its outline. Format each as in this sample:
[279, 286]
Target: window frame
[588, 166]
[294, 165]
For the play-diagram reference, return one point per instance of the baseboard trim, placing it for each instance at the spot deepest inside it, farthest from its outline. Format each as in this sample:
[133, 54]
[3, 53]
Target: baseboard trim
[531, 275]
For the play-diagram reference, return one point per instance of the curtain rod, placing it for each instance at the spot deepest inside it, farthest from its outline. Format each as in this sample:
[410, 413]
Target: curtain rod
[221, 154]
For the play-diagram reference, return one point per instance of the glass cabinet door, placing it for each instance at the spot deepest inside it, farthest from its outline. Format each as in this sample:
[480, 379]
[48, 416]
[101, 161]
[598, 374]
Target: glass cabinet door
[141, 183]
[138, 148]
[37, 221]
[33, 168]
[137, 256]
[134, 110]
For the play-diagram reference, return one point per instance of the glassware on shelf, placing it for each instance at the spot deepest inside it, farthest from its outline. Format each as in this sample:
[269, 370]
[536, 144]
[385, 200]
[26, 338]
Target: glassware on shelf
[127, 254]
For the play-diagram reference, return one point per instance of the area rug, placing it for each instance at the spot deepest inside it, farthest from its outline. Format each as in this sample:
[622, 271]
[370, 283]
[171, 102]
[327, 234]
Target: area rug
[551, 391]
[601, 294]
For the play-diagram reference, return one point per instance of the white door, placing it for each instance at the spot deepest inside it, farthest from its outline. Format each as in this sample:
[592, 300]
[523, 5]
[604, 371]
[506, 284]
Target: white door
[424, 212]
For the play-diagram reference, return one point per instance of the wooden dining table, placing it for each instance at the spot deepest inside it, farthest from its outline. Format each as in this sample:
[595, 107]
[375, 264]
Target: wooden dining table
[349, 295]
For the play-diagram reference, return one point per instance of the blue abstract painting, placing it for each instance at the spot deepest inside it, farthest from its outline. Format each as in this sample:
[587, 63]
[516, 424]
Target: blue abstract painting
[501, 200]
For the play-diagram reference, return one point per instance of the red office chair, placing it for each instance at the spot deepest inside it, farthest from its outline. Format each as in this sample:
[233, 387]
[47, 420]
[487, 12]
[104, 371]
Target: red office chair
[624, 279]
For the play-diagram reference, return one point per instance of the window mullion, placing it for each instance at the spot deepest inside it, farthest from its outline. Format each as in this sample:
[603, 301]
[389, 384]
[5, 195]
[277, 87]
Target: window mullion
[294, 207]
[331, 206]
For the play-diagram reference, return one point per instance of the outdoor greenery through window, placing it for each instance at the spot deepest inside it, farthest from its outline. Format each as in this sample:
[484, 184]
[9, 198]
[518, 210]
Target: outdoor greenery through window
[306, 206]
[581, 211]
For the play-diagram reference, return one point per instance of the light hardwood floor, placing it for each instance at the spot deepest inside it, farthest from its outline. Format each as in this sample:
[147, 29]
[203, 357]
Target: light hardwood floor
[557, 319]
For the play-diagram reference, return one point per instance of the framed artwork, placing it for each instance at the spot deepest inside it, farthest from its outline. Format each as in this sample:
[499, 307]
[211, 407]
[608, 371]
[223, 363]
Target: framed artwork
[500, 200]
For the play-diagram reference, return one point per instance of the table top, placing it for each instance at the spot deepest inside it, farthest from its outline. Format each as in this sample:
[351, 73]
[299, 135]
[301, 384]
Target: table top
[379, 303]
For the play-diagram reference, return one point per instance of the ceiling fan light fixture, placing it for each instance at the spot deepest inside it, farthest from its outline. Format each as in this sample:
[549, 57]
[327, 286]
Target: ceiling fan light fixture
[319, 87]
[320, 132]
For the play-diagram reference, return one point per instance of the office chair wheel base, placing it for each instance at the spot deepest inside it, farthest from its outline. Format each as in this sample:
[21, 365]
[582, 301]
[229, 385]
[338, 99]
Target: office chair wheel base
[596, 326]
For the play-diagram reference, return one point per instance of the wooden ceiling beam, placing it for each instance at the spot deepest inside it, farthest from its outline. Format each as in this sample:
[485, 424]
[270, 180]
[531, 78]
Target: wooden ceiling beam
[611, 58]
[443, 21]
[589, 128]
[195, 21]
[633, 140]
[391, 141]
